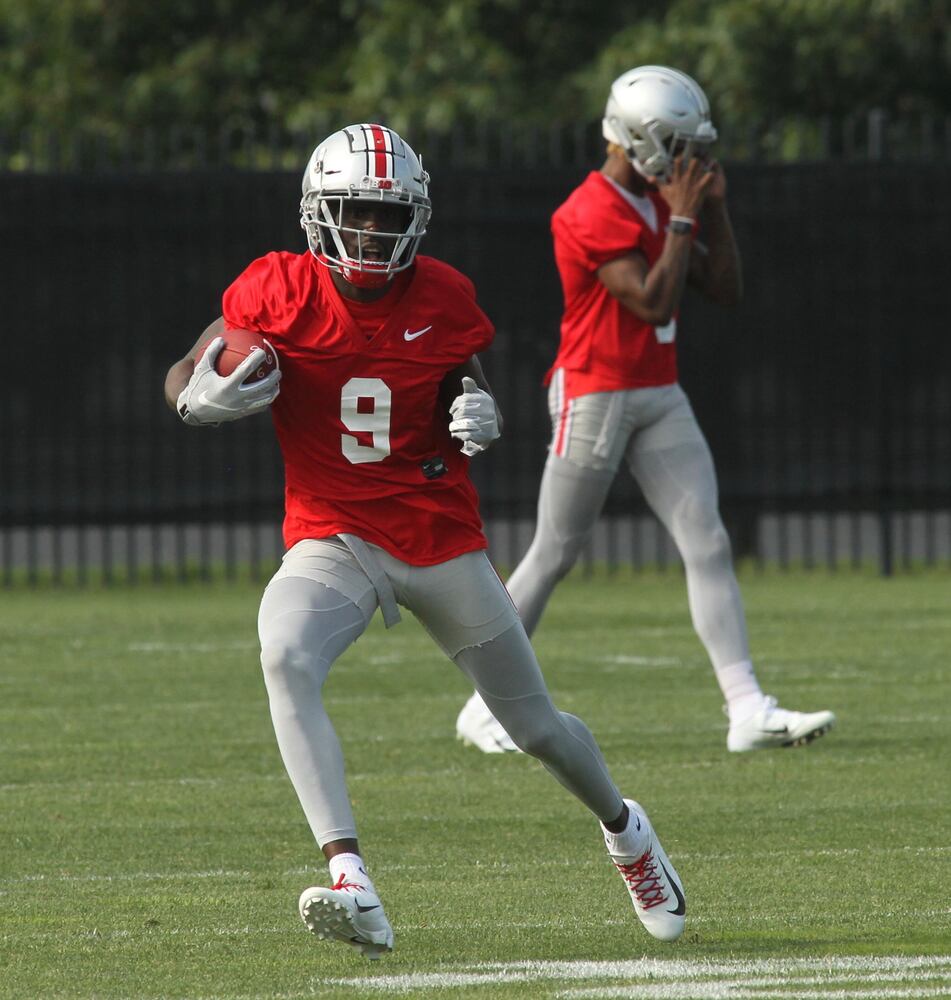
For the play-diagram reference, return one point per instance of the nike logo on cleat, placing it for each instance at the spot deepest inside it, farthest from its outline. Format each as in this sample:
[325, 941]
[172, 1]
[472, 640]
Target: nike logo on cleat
[681, 902]
[412, 336]
[366, 909]
[776, 732]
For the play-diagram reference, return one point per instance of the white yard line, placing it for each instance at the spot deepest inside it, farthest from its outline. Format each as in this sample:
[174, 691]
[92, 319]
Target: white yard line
[623, 659]
[820, 978]
[736, 990]
[843, 977]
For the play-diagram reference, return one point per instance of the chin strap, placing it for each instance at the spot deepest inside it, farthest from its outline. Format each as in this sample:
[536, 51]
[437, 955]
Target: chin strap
[366, 278]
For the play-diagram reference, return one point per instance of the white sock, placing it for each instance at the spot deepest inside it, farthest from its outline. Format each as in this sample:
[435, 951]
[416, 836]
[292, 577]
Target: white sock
[631, 843]
[740, 689]
[352, 867]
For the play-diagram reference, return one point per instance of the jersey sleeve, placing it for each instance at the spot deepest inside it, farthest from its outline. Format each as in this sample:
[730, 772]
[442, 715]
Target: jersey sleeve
[451, 296]
[596, 235]
[262, 297]
[481, 330]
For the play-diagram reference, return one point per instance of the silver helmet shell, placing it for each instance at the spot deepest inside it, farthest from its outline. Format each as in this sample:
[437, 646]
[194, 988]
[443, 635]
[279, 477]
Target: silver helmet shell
[655, 112]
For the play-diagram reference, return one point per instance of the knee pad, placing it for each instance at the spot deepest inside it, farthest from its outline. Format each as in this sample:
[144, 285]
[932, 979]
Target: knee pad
[291, 672]
[699, 532]
[303, 627]
[280, 658]
[540, 739]
[572, 498]
[558, 558]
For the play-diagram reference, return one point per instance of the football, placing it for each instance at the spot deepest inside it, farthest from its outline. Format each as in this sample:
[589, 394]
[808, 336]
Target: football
[238, 345]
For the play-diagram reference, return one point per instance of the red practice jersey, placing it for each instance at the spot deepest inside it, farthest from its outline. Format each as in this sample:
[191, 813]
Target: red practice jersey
[365, 440]
[604, 346]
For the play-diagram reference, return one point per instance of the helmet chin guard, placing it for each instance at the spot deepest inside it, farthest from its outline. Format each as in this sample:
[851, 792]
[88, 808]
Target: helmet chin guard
[655, 113]
[367, 275]
[367, 163]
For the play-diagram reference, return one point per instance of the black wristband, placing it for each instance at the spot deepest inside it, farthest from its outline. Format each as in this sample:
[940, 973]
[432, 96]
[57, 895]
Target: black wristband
[680, 227]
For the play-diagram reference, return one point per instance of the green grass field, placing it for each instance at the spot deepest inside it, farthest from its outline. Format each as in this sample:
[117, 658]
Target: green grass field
[151, 845]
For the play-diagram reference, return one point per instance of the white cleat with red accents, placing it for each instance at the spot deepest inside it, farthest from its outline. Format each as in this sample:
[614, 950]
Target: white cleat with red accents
[348, 912]
[652, 882]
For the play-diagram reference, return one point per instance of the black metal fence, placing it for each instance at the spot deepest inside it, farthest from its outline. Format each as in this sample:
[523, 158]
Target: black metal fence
[826, 396]
[242, 144]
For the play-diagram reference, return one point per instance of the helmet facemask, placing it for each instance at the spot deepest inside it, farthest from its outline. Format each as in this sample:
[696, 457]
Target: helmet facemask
[652, 149]
[324, 221]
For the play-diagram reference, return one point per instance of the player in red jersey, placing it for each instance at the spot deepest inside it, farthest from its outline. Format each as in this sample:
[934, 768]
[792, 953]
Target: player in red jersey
[375, 344]
[625, 248]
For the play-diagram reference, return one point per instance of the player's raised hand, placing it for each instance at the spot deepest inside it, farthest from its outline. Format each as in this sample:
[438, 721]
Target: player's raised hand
[474, 419]
[687, 187]
[211, 399]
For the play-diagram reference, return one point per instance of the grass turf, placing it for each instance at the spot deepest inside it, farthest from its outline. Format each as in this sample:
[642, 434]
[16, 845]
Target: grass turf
[151, 845]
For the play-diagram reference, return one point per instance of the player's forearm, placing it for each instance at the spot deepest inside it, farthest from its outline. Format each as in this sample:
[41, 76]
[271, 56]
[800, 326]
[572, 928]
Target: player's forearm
[664, 284]
[180, 373]
[176, 380]
[723, 278]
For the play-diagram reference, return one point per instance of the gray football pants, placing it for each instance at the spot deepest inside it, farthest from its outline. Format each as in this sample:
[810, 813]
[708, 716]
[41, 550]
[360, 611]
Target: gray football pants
[655, 431]
[321, 600]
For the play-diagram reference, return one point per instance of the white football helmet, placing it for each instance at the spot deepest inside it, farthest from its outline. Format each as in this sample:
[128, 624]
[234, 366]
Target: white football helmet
[654, 113]
[368, 163]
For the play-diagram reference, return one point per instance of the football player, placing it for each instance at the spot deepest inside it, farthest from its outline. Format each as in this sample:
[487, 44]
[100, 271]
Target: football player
[626, 244]
[378, 404]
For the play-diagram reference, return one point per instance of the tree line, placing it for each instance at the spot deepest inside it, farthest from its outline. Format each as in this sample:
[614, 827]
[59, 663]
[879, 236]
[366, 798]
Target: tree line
[109, 66]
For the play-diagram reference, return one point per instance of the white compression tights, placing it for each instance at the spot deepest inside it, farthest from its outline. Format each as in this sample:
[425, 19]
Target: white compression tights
[656, 433]
[304, 626]
[568, 507]
[506, 673]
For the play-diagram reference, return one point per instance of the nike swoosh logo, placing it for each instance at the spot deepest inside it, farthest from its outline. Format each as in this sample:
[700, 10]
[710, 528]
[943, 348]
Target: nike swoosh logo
[366, 909]
[205, 401]
[681, 902]
[412, 336]
[776, 732]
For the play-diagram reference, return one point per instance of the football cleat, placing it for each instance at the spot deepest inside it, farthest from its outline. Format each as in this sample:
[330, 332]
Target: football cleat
[654, 886]
[772, 726]
[478, 727]
[347, 912]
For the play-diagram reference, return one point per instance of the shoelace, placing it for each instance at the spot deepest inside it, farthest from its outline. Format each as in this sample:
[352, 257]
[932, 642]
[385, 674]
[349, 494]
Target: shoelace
[643, 881]
[342, 883]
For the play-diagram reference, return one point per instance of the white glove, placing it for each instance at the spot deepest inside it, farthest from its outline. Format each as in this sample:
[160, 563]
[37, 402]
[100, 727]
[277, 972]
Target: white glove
[474, 420]
[211, 399]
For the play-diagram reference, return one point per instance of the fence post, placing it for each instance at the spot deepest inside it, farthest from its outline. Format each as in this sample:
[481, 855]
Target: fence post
[876, 151]
[886, 555]
[876, 134]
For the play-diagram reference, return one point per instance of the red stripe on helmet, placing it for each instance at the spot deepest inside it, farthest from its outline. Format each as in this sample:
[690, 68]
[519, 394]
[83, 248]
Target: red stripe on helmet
[379, 152]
